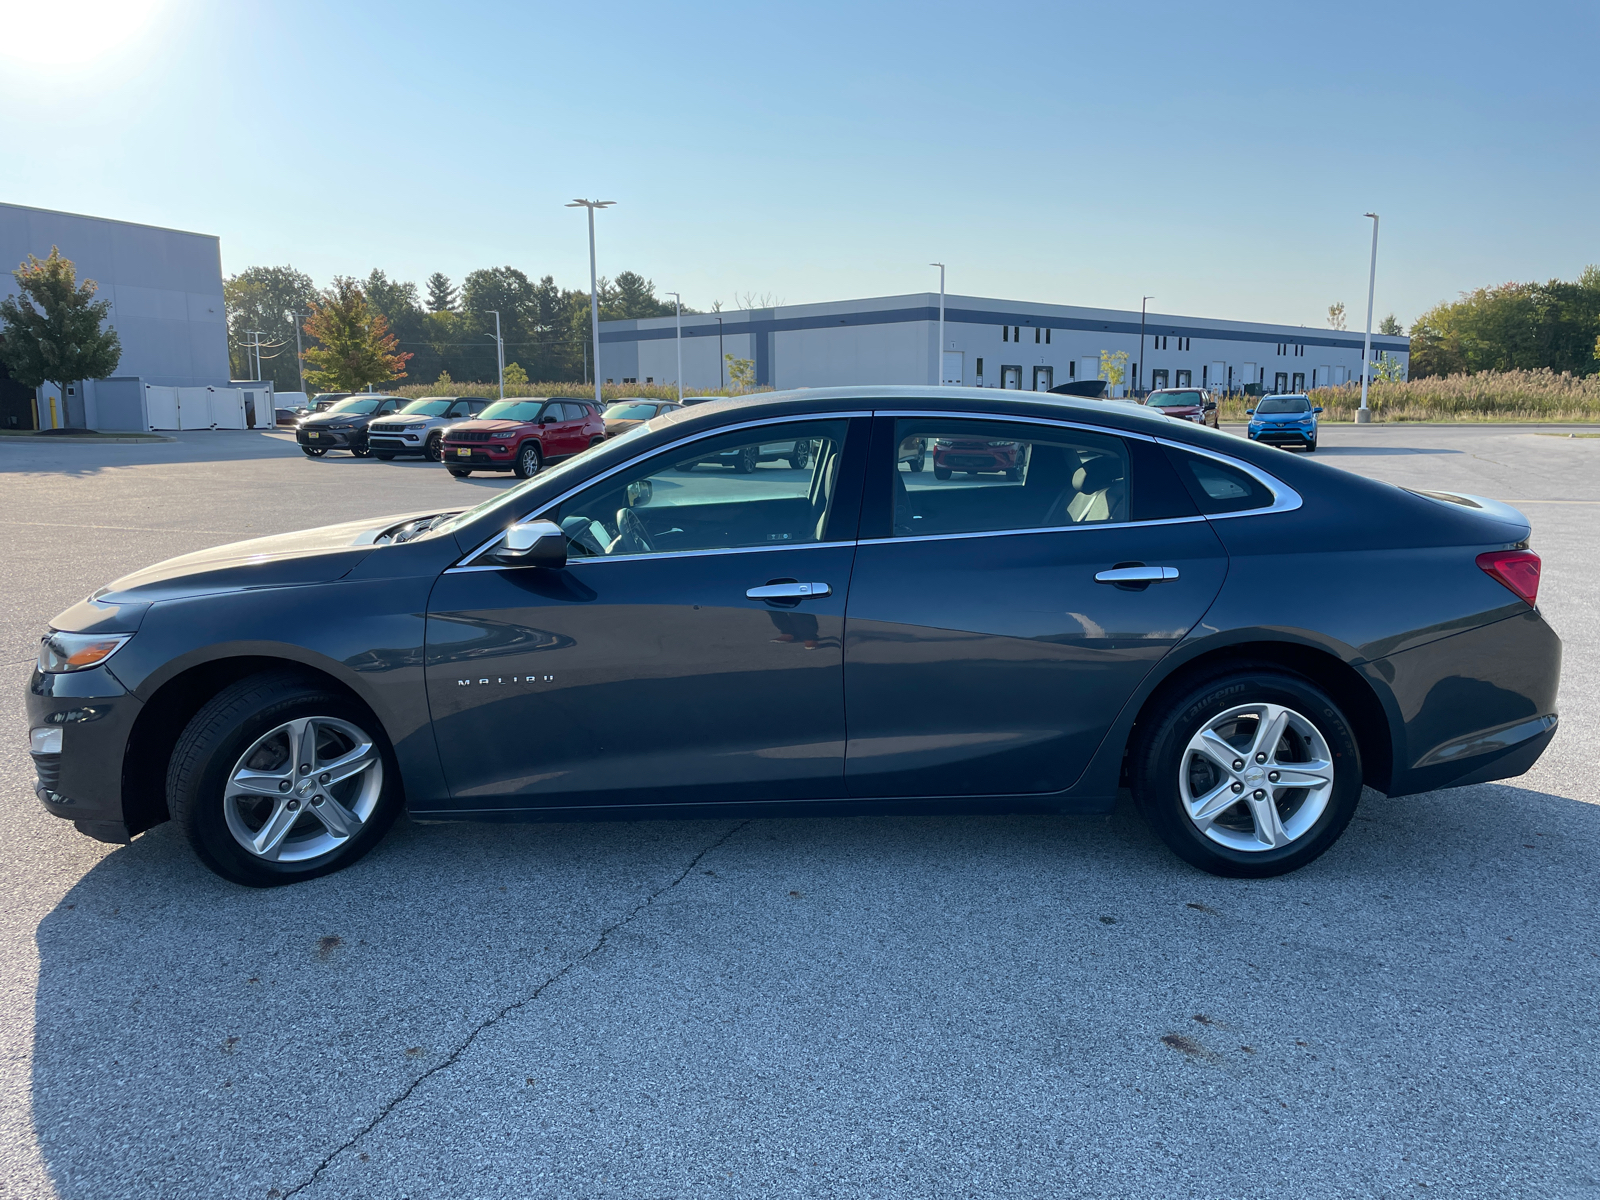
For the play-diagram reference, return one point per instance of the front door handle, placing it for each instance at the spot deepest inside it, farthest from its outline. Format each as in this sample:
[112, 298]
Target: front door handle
[1136, 575]
[789, 591]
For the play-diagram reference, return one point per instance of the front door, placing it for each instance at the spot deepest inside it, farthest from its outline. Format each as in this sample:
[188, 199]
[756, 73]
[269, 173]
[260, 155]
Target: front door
[982, 655]
[645, 671]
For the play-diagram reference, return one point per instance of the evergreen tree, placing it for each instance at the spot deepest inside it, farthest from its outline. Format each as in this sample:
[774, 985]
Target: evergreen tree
[441, 294]
[52, 330]
[356, 347]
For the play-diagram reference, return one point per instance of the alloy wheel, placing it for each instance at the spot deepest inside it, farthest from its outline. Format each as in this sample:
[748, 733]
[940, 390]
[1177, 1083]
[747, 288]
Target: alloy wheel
[303, 789]
[433, 449]
[1256, 777]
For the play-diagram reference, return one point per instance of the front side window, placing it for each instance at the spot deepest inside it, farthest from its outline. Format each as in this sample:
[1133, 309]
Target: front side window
[964, 476]
[766, 487]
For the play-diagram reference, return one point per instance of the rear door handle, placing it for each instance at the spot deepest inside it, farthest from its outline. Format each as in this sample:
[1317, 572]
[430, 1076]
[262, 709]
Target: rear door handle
[1136, 575]
[789, 591]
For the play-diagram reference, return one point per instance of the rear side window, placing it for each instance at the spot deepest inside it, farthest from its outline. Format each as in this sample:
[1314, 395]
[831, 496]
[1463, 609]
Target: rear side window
[1217, 487]
[576, 412]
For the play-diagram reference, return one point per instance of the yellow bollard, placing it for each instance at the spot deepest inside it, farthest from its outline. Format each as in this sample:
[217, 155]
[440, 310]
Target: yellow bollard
[53, 424]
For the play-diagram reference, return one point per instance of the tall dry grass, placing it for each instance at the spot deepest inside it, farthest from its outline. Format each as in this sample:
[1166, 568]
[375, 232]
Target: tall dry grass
[579, 391]
[1488, 396]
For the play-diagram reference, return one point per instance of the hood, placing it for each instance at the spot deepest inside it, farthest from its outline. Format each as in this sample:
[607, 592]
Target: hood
[333, 418]
[1178, 410]
[283, 560]
[1282, 416]
[488, 426]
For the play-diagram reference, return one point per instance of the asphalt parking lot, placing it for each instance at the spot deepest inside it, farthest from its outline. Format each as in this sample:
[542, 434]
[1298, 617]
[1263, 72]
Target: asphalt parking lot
[941, 1006]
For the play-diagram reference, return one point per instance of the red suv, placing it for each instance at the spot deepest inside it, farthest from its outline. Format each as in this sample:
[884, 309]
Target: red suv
[975, 457]
[522, 435]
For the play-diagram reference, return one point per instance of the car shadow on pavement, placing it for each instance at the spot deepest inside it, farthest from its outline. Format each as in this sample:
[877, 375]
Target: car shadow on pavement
[1325, 451]
[660, 983]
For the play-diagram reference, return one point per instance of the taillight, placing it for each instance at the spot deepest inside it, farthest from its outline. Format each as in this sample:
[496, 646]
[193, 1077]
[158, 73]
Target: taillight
[1517, 569]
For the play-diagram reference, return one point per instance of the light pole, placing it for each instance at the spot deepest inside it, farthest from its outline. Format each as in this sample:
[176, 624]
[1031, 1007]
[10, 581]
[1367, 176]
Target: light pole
[938, 359]
[299, 360]
[1138, 367]
[1363, 415]
[677, 304]
[594, 289]
[721, 361]
[499, 353]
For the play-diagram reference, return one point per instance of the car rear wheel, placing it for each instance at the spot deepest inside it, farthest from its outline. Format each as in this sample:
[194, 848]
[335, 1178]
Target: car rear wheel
[460, 472]
[916, 464]
[359, 452]
[279, 779]
[1013, 474]
[1250, 773]
[433, 448]
[745, 460]
[314, 451]
[529, 459]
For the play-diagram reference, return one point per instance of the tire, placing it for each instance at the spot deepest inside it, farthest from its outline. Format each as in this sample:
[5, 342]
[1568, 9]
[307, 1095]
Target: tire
[249, 726]
[916, 464]
[433, 448]
[529, 460]
[314, 451]
[459, 472]
[361, 452]
[1228, 837]
[941, 472]
[1311, 446]
[383, 456]
[746, 460]
[1013, 474]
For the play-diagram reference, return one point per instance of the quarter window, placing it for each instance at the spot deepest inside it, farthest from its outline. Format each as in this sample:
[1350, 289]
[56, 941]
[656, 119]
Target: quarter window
[768, 487]
[1216, 487]
[956, 476]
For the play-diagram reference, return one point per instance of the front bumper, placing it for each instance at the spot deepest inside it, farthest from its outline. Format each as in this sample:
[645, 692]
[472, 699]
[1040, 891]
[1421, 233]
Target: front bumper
[1284, 435]
[393, 443]
[335, 439]
[83, 783]
[478, 454]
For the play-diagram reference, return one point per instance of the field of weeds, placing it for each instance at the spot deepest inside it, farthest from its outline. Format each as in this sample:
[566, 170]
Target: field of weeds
[1489, 396]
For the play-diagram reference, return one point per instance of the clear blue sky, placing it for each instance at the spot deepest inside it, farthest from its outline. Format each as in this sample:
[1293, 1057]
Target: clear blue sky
[1218, 157]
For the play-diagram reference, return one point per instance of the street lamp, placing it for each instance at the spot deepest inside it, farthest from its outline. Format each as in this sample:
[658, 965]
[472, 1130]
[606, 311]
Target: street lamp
[1138, 367]
[1363, 416]
[677, 304]
[938, 361]
[594, 289]
[721, 361]
[499, 353]
[299, 357]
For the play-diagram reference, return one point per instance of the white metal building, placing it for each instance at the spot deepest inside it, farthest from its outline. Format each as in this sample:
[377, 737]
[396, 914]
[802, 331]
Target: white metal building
[987, 343]
[165, 289]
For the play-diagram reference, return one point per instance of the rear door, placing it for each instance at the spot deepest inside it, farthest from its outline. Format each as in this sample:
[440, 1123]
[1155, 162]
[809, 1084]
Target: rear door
[986, 650]
[647, 671]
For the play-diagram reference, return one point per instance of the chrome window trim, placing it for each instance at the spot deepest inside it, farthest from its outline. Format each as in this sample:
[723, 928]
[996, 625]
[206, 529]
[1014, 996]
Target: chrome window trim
[1103, 430]
[1284, 497]
[983, 533]
[599, 560]
[463, 562]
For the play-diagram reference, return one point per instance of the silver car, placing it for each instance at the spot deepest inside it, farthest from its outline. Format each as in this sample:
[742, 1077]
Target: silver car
[419, 427]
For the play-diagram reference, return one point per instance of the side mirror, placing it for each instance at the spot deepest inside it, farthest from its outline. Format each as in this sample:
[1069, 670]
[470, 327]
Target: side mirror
[1210, 406]
[547, 419]
[534, 544]
[1318, 408]
[1249, 412]
[639, 493]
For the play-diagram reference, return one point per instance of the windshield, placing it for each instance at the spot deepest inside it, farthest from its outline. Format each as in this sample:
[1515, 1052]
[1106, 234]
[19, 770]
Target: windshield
[511, 496]
[1174, 399]
[353, 405]
[425, 408]
[630, 412]
[511, 410]
[1283, 404]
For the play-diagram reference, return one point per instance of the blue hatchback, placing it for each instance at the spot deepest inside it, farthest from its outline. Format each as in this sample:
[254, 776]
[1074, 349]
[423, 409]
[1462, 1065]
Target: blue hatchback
[1284, 421]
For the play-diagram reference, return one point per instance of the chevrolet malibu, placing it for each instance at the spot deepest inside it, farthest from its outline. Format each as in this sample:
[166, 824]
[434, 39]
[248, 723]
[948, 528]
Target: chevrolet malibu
[1240, 638]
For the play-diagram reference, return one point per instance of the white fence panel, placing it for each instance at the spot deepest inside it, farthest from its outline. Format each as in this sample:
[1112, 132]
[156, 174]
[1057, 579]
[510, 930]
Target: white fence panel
[161, 406]
[227, 408]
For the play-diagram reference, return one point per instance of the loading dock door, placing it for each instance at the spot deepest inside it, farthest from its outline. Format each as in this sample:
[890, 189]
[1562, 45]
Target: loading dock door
[1043, 378]
[1011, 377]
[1218, 375]
[954, 362]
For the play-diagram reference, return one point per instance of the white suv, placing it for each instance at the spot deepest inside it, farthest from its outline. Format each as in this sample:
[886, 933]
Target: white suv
[419, 427]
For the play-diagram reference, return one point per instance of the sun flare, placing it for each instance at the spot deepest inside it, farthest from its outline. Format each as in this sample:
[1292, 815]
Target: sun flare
[72, 31]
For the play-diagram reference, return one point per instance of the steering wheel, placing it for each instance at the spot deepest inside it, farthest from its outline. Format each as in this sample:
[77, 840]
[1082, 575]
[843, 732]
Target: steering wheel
[631, 534]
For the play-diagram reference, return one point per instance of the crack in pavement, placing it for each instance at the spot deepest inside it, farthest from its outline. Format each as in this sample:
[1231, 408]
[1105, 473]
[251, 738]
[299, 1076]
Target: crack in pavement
[495, 1018]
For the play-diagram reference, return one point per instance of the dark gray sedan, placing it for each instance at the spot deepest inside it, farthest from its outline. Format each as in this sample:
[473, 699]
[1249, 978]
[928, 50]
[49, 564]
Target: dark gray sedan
[1241, 638]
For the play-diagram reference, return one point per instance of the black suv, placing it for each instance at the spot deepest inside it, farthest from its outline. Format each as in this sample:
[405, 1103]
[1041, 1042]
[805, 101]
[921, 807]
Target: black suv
[344, 425]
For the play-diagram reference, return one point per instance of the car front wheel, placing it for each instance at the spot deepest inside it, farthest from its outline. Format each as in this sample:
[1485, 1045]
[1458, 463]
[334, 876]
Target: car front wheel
[279, 779]
[1250, 773]
[528, 461]
[433, 450]
[314, 451]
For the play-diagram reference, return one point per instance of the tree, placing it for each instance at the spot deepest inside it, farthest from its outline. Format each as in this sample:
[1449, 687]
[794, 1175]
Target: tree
[1336, 314]
[741, 372]
[516, 379]
[53, 328]
[1113, 367]
[271, 301]
[1515, 326]
[631, 297]
[1391, 327]
[356, 347]
[441, 295]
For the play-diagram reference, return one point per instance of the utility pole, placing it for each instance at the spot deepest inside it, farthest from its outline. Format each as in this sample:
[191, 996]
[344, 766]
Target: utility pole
[499, 353]
[938, 360]
[594, 291]
[1363, 416]
[677, 304]
[722, 360]
[299, 360]
[1138, 367]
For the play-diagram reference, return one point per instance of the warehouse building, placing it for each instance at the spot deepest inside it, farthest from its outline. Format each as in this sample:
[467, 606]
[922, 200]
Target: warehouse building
[987, 343]
[165, 289]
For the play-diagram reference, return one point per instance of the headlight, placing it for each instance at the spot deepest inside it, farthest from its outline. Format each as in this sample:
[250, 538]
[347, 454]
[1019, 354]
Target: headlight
[63, 652]
[512, 434]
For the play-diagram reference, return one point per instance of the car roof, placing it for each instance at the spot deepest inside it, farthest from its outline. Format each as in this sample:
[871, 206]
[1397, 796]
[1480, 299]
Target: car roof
[1286, 396]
